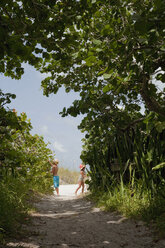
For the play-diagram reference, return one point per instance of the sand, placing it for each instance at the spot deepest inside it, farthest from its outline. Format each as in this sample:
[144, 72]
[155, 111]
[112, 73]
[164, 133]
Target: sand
[72, 221]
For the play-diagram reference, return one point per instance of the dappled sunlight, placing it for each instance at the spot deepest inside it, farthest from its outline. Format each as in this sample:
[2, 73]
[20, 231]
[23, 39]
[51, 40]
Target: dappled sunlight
[60, 215]
[106, 242]
[117, 221]
[96, 210]
[72, 221]
[22, 245]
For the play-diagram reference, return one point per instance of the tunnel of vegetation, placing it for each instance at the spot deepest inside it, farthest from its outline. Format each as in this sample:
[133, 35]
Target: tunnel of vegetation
[113, 54]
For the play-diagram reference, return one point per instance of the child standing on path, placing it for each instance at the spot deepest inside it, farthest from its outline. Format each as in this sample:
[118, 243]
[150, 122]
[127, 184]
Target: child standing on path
[54, 165]
[81, 178]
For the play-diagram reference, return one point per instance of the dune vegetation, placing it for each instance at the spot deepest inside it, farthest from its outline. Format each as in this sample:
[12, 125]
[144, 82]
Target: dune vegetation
[113, 54]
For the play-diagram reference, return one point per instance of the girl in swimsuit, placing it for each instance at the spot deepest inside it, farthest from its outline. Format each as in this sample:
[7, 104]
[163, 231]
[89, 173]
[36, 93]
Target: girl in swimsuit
[81, 178]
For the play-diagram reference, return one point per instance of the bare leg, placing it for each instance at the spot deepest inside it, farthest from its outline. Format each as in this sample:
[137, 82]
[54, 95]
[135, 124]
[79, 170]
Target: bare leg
[79, 186]
[57, 191]
[82, 187]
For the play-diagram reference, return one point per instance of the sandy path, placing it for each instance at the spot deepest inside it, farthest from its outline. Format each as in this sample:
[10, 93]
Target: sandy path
[71, 221]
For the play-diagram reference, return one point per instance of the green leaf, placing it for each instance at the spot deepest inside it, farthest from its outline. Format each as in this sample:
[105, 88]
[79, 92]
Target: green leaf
[97, 42]
[75, 55]
[161, 77]
[99, 50]
[90, 60]
[158, 3]
[141, 26]
[159, 166]
[160, 126]
[46, 55]
[107, 88]
[102, 72]
[106, 75]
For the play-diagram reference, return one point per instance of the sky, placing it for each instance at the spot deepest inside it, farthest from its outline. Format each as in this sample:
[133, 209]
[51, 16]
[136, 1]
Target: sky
[43, 112]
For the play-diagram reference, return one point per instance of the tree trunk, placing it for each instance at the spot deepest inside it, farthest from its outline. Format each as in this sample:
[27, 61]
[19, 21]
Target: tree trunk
[150, 102]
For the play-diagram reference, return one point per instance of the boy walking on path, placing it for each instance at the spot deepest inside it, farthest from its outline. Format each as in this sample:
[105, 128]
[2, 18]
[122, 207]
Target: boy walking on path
[54, 165]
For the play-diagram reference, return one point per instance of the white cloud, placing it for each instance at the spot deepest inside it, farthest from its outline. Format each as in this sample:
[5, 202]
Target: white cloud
[74, 122]
[44, 129]
[59, 147]
[43, 75]
[71, 122]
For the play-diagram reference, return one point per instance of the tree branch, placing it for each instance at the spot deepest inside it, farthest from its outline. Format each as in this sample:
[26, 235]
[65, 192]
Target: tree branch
[151, 103]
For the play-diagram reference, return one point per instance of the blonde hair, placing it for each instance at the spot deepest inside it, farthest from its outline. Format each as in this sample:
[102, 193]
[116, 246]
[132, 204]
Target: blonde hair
[56, 161]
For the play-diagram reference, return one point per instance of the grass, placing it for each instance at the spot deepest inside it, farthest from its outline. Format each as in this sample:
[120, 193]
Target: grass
[67, 176]
[16, 198]
[13, 208]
